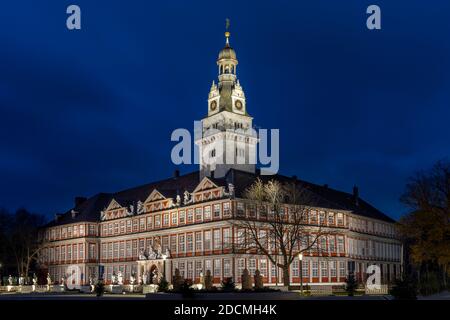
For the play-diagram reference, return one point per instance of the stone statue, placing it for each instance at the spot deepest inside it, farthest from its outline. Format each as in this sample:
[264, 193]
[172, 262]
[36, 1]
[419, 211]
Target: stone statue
[21, 280]
[258, 280]
[140, 207]
[120, 278]
[208, 281]
[202, 279]
[186, 197]
[92, 282]
[49, 279]
[246, 280]
[167, 253]
[231, 189]
[157, 248]
[35, 280]
[178, 200]
[144, 278]
[151, 253]
[142, 255]
[114, 278]
[155, 276]
[132, 279]
[10, 280]
[63, 280]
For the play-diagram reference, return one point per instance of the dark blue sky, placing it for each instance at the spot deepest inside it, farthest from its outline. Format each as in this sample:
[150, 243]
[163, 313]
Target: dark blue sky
[92, 110]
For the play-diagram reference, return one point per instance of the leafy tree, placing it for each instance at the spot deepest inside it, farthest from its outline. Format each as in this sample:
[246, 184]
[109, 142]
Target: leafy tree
[426, 228]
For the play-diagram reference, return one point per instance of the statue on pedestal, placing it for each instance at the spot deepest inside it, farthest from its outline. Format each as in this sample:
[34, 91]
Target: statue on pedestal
[21, 280]
[142, 255]
[114, 278]
[10, 280]
[144, 278]
[119, 278]
[132, 279]
[151, 253]
[49, 279]
[92, 282]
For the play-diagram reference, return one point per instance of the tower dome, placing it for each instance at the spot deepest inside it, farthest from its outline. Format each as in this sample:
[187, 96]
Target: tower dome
[227, 53]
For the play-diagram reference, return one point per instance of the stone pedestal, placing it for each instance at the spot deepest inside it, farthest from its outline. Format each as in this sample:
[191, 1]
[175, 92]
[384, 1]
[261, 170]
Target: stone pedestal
[151, 288]
[116, 288]
[85, 289]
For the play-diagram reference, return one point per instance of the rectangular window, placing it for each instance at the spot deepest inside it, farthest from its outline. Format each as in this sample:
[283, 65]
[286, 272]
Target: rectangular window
[181, 248]
[116, 250]
[322, 218]
[227, 238]
[182, 268]
[157, 221]
[217, 240]
[342, 269]
[198, 214]
[122, 250]
[340, 244]
[182, 217]
[295, 270]
[122, 227]
[313, 217]
[165, 243]
[340, 219]
[174, 218]
[240, 209]
[333, 271]
[190, 216]
[208, 266]
[128, 249]
[315, 269]
[251, 210]
[263, 212]
[166, 219]
[75, 231]
[149, 223]
[207, 240]
[217, 268]
[69, 252]
[198, 241]
[63, 253]
[323, 268]
[189, 243]
[135, 248]
[227, 268]
[128, 226]
[323, 244]
[240, 267]
[252, 266]
[190, 269]
[263, 267]
[207, 212]
[142, 224]
[173, 244]
[81, 251]
[135, 225]
[226, 209]
[216, 211]
[198, 268]
[331, 218]
[332, 244]
[305, 269]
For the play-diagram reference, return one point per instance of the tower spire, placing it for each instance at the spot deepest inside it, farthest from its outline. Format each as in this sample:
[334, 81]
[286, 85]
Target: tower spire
[227, 33]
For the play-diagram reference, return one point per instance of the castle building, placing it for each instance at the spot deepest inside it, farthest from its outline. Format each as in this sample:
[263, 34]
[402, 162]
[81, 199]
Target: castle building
[185, 222]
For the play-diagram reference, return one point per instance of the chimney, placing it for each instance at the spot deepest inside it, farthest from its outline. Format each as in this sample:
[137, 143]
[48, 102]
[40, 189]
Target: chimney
[79, 200]
[176, 174]
[356, 195]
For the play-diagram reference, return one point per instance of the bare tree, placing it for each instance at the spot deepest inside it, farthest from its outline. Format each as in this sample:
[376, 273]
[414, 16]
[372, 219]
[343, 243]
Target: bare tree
[281, 231]
[24, 242]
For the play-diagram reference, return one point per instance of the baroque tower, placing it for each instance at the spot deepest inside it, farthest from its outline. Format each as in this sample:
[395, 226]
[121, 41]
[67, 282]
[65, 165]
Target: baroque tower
[228, 139]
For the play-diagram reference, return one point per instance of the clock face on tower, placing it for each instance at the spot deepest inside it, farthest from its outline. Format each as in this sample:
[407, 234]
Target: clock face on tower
[213, 105]
[238, 104]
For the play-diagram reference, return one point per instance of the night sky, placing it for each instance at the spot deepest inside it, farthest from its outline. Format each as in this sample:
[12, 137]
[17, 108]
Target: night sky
[92, 111]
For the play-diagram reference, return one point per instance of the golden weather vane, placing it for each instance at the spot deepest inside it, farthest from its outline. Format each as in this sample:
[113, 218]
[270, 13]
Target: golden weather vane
[227, 33]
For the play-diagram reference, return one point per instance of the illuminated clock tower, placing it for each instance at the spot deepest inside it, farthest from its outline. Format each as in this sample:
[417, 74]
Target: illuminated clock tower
[228, 139]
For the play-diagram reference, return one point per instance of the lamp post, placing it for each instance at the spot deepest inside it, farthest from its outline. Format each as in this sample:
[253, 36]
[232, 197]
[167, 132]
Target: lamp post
[300, 258]
[164, 256]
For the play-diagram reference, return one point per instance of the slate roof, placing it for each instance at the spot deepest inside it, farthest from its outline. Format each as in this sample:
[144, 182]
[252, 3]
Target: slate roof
[320, 196]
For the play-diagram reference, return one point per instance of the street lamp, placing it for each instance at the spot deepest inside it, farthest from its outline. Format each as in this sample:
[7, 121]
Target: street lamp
[164, 256]
[300, 258]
